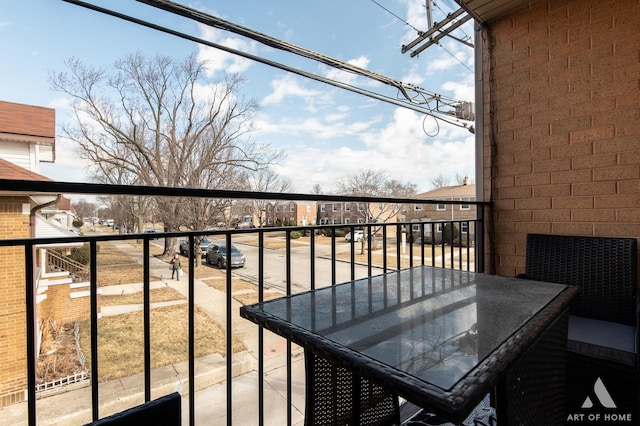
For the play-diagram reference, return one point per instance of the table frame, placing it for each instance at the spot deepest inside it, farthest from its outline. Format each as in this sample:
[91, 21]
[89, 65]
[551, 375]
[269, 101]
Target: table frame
[527, 370]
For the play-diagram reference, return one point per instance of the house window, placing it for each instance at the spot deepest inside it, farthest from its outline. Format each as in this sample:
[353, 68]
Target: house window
[441, 207]
[417, 207]
[465, 206]
[334, 207]
[415, 228]
[360, 220]
[322, 208]
[334, 221]
[347, 207]
[439, 227]
[292, 208]
[464, 227]
[360, 207]
[347, 221]
[276, 209]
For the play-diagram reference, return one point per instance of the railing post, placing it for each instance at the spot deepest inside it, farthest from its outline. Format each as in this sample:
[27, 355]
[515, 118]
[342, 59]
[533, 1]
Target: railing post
[31, 335]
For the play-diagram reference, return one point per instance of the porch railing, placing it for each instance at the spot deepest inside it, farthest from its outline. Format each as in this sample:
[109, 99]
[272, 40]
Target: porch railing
[58, 262]
[272, 378]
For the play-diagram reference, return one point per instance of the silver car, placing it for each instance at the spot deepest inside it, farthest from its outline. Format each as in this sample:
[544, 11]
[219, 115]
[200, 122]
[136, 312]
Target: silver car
[205, 244]
[217, 255]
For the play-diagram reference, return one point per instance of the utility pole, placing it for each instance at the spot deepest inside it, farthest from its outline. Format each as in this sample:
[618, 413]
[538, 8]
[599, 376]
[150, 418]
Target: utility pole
[429, 5]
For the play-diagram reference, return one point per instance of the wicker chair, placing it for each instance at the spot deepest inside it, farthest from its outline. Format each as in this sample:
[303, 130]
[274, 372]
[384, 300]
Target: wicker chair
[335, 396]
[164, 411]
[604, 339]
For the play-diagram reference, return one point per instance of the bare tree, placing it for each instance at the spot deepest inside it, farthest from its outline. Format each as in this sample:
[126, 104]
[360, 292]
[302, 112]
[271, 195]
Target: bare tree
[159, 122]
[439, 181]
[266, 180]
[372, 183]
[317, 189]
[84, 208]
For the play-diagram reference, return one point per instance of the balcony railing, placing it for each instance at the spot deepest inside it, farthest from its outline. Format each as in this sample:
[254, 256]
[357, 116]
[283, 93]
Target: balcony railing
[261, 384]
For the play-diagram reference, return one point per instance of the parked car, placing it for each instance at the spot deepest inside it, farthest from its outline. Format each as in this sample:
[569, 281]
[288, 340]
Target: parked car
[244, 225]
[357, 236]
[217, 255]
[205, 244]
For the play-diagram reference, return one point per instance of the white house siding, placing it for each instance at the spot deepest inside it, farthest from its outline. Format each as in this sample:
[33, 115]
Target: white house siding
[21, 154]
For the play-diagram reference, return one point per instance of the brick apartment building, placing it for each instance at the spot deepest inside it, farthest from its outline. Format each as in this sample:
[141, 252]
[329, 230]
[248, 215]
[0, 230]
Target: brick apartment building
[346, 213]
[299, 213]
[445, 212]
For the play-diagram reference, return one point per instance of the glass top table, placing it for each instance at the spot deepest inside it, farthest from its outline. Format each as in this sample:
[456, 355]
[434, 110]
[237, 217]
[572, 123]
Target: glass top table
[438, 337]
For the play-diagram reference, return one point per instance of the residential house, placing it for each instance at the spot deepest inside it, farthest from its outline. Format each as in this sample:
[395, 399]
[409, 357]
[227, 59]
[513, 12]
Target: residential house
[296, 213]
[61, 214]
[457, 213]
[27, 137]
[359, 212]
[347, 213]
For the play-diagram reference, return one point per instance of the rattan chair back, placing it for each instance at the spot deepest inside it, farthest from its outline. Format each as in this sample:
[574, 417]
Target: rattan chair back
[605, 269]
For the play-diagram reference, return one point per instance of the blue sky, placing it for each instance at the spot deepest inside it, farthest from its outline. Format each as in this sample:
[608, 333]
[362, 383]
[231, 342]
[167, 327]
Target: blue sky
[326, 132]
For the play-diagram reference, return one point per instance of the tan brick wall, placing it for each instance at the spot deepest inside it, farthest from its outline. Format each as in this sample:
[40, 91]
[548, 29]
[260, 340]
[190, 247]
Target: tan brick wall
[562, 83]
[59, 306]
[13, 349]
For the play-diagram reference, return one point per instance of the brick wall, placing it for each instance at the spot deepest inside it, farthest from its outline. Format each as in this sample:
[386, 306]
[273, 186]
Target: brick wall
[561, 81]
[61, 307]
[13, 349]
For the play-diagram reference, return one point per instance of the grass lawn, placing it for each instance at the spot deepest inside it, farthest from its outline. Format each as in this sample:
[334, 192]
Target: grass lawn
[377, 257]
[120, 337]
[118, 267]
[120, 340]
[243, 291]
[166, 294]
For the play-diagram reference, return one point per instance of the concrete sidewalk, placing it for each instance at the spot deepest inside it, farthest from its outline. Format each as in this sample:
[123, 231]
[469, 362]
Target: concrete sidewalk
[74, 407]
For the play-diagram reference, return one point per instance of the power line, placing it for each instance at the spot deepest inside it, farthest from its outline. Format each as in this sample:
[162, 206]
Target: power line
[396, 16]
[466, 36]
[455, 57]
[412, 97]
[420, 33]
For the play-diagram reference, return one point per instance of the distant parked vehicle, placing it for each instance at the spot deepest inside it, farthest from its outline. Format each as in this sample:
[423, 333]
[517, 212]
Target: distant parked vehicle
[357, 236]
[244, 225]
[217, 255]
[205, 244]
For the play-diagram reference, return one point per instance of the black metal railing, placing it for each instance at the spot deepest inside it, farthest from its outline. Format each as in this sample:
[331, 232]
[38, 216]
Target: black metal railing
[388, 246]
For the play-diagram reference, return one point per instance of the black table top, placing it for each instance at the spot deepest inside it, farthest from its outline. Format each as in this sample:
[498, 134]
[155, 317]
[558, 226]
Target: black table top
[428, 333]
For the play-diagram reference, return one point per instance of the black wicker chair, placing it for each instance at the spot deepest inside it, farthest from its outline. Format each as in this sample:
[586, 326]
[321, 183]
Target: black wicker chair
[164, 411]
[335, 396]
[604, 339]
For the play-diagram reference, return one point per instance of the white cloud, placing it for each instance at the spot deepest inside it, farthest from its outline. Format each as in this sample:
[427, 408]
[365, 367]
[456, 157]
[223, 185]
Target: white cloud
[68, 167]
[328, 127]
[288, 87]
[401, 149]
[462, 89]
[220, 60]
[344, 76]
